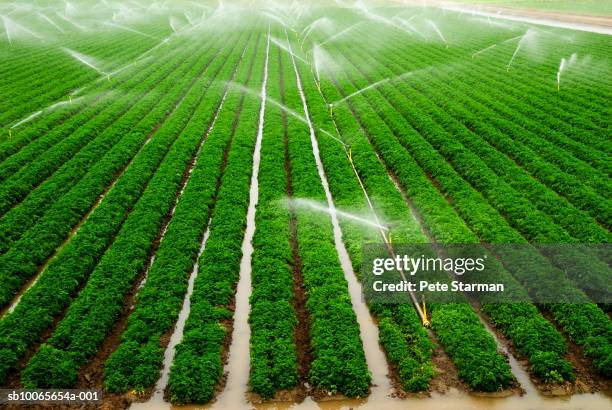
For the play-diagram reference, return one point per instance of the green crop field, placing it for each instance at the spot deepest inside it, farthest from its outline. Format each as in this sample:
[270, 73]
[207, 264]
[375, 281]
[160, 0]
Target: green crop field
[186, 190]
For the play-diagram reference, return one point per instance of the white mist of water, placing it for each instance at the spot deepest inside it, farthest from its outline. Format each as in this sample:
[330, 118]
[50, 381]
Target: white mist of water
[14, 30]
[528, 37]
[495, 45]
[376, 84]
[122, 27]
[484, 50]
[189, 18]
[385, 80]
[44, 110]
[437, 30]
[283, 107]
[27, 119]
[323, 62]
[406, 24]
[340, 33]
[48, 20]
[278, 19]
[322, 21]
[283, 45]
[70, 21]
[85, 59]
[323, 208]
[563, 65]
[173, 23]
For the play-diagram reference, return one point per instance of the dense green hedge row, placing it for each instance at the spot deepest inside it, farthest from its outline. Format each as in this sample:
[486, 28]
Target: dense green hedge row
[52, 293]
[473, 209]
[137, 361]
[401, 334]
[198, 366]
[273, 317]
[24, 257]
[93, 313]
[338, 363]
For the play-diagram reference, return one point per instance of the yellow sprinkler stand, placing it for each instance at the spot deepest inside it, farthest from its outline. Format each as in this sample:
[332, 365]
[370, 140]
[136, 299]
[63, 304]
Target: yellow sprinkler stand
[425, 320]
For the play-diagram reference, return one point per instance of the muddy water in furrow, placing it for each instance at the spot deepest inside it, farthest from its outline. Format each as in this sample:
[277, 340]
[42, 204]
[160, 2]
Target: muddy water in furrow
[375, 357]
[157, 399]
[454, 400]
[517, 370]
[237, 368]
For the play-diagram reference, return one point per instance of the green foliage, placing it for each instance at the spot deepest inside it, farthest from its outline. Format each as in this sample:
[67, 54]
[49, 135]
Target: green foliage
[93, 313]
[50, 367]
[551, 368]
[272, 318]
[52, 293]
[198, 367]
[137, 361]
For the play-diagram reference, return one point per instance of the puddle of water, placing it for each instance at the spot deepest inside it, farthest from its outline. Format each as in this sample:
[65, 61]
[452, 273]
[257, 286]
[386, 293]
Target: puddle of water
[517, 370]
[453, 400]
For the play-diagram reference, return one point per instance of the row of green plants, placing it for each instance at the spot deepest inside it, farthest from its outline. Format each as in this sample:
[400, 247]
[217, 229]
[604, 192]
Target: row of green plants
[491, 228]
[23, 259]
[401, 333]
[29, 92]
[198, 364]
[518, 117]
[136, 363]
[93, 313]
[547, 140]
[513, 207]
[36, 131]
[580, 103]
[517, 210]
[32, 130]
[89, 134]
[473, 353]
[273, 317]
[17, 185]
[508, 90]
[338, 364]
[22, 328]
